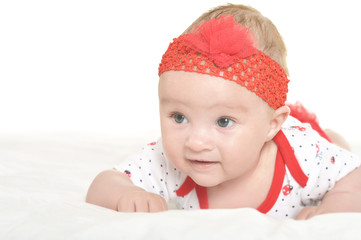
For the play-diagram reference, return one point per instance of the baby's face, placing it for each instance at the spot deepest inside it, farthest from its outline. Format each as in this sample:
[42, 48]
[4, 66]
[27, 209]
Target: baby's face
[213, 129]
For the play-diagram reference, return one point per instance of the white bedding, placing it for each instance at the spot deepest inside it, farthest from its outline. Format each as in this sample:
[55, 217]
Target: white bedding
[44, 180]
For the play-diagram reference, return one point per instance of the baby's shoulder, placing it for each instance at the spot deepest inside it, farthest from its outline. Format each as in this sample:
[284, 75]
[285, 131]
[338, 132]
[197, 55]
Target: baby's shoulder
[313, 150]
[151, 155]
[301, 136]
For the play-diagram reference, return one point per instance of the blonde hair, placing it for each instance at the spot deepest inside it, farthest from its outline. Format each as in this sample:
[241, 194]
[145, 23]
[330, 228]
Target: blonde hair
[267, 36]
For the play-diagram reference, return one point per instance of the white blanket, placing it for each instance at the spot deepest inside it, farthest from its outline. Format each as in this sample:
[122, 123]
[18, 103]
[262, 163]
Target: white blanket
[44, 180]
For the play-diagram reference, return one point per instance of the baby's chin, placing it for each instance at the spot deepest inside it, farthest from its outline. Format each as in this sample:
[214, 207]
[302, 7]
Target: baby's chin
[207, 181]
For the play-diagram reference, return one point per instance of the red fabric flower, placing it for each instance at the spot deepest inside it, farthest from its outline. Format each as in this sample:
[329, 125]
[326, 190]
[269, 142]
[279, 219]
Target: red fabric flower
[222, 40]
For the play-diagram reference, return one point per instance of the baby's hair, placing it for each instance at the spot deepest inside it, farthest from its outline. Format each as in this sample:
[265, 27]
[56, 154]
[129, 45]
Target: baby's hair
[267, 36]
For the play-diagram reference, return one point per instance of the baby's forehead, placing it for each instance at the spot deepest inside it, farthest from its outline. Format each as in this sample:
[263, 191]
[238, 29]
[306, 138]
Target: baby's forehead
[195, 89]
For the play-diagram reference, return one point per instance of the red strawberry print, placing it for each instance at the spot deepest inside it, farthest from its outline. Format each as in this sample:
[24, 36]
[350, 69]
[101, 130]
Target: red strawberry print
[333, 160]
[152, 143]
[318, 148]
[287, 189]
[302, 129]
[128, 173]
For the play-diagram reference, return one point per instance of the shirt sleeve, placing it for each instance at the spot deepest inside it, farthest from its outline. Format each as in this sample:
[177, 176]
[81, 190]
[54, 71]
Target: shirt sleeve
[150, 170]
[323, 162]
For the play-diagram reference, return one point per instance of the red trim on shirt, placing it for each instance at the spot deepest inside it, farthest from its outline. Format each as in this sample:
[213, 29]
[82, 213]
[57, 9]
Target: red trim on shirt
[285, 156]
[276, 186]
[202, 197]
[186, 187]
[290, 159]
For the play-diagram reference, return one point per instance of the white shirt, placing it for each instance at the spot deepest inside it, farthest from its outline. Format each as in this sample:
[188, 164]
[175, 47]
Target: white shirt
[321, 164]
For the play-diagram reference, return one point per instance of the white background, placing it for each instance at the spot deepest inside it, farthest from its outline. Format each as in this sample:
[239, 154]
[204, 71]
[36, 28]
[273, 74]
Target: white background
[91, 66]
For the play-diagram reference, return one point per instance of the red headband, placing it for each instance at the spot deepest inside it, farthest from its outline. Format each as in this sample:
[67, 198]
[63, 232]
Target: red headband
[224, 48]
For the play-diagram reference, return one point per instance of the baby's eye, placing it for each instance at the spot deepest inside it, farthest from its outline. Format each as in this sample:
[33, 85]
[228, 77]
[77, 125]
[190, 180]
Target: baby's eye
[179, 118]
[225, 122]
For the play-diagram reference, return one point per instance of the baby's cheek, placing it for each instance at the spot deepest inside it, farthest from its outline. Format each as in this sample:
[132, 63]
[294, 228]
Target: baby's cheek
[175, 160]
[171, 151]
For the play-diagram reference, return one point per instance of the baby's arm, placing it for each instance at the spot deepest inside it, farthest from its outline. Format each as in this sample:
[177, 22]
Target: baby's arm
[113, 189]
[344, 197]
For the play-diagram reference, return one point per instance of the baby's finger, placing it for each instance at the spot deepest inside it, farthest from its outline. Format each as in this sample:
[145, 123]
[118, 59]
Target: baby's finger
[157, 205]
[141, 205]
[306, 213]
[124, 206]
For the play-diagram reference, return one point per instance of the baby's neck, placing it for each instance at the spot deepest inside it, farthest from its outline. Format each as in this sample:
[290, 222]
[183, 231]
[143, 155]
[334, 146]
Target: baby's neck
[249, 191]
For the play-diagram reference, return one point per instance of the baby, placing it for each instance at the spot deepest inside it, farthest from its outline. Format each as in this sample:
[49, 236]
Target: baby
[228, 140]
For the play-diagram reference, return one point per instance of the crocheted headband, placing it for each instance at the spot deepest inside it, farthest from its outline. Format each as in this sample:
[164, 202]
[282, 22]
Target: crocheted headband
[224, 48]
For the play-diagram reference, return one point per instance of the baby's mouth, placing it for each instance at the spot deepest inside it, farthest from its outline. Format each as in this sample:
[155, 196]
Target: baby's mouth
[200, 164]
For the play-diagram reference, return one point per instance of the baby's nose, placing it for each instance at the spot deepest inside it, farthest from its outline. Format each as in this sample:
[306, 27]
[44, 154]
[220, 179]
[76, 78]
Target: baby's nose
[199, 140]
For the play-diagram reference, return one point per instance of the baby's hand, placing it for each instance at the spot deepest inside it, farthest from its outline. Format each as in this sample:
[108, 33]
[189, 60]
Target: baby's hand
[139, 200]
[307, 213]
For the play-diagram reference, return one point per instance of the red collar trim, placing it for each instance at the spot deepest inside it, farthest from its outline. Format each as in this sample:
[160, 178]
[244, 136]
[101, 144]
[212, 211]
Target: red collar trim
[289, 158]
[276, 186]
[285, 156]
[188, 186]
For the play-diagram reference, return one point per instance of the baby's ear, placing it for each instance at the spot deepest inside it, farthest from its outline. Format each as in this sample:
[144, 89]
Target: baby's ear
[278, 118]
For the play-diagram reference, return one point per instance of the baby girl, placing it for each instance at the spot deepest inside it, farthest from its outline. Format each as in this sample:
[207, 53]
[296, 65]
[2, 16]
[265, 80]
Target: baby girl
[228, 139]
